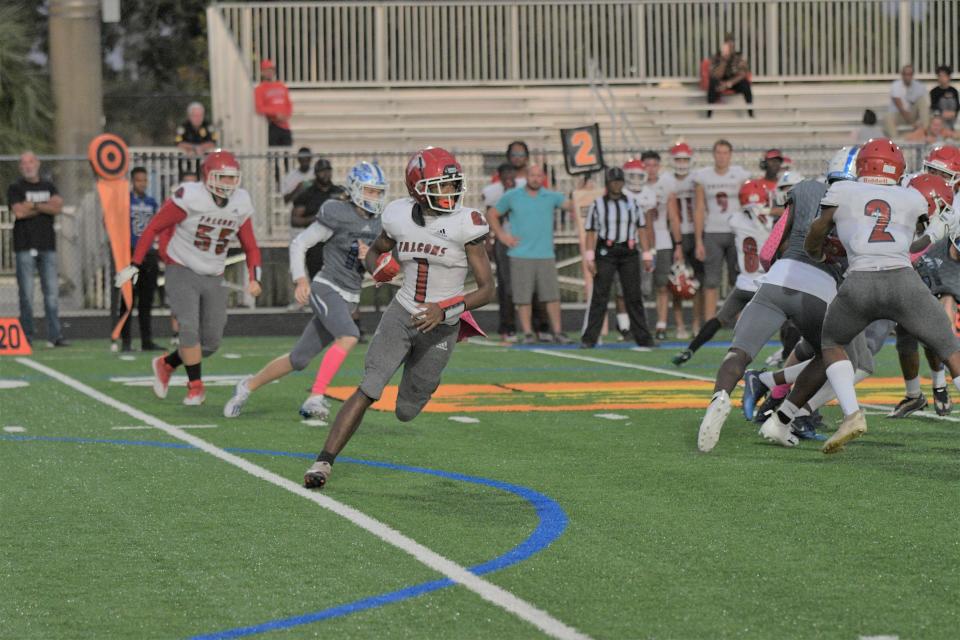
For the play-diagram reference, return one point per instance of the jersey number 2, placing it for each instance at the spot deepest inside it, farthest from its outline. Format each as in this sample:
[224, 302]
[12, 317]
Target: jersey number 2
[202, 240]
[423, 268]
[880, 210]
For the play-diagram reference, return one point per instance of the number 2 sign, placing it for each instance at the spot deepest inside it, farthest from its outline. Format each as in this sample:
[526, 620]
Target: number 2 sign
[582, 151]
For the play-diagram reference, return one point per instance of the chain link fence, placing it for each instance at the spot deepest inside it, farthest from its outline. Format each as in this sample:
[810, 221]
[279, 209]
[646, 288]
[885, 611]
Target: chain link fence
[84, 256]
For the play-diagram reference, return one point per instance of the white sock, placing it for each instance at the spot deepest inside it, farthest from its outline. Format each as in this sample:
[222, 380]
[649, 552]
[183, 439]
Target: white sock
[956, 382]
[913, 387]
[842, 378]
[826, 394]
[790, 374]
[661, 325]
[623, 322]
[767, 378]
[939, 378]
[788, 409]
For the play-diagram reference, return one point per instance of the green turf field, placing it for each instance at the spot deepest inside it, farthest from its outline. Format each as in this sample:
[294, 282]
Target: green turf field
[616, 526]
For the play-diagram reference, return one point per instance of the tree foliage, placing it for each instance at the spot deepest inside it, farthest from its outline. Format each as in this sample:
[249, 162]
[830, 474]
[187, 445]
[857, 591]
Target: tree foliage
[26, 103]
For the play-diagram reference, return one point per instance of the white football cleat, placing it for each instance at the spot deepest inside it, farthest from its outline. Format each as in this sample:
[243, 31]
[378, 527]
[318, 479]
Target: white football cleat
[315, 408]
[775, 431]
[713, 421]
[241, 393]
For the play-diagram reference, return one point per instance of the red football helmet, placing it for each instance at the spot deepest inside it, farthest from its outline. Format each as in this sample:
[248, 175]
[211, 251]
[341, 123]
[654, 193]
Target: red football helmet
[681, 152]
[755, 200]
[683, 281]
[428, 172]
[635, 174]
[880, 161]
[944, 161]
[220, 173]
[935, 189]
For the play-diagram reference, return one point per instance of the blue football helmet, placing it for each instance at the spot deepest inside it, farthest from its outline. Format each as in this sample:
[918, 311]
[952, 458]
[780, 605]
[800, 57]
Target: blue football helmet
[365, 174]
[843, 165]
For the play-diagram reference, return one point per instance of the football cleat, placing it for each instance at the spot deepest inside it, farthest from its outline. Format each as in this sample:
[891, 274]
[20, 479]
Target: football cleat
[852, 427]
[805, 428]
[942, 402]
[769, 405]
[908, 406]
[161, 377]
[683, 357]
[195, 393]
[775, 431]
[753, 391]
[561, 338]
[713, 421]
[317, 475]
[315, 407]
[241, 393]
[661, 334]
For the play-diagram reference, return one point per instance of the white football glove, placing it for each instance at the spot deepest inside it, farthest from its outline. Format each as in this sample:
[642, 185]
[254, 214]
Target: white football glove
[951, 217]
[130, 272]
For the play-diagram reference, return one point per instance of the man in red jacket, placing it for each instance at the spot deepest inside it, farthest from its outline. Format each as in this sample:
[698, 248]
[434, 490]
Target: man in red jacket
[272, 99]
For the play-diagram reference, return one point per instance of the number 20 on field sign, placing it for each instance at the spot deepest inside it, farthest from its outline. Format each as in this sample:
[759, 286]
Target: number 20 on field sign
[12, 340]
[582, 151]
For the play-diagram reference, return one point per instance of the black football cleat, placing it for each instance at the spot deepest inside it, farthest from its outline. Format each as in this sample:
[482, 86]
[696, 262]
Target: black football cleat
[317, 475]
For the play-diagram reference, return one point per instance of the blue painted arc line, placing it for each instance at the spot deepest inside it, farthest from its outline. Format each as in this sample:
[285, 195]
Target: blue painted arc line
[552, 521]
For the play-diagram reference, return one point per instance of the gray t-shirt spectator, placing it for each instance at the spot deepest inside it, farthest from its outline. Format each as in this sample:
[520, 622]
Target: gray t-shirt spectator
[910, 95]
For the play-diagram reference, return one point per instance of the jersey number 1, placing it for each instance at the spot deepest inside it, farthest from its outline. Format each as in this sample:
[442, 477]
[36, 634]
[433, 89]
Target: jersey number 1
[423, 268]
[880, 210]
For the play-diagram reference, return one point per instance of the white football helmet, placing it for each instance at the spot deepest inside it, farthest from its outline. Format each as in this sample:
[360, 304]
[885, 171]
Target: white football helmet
[843, 165]
[787, 181]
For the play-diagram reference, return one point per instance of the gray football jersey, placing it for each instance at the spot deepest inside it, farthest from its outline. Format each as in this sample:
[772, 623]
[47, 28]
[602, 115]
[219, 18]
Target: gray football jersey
[947, 270]
[341, 262]
[804, 201]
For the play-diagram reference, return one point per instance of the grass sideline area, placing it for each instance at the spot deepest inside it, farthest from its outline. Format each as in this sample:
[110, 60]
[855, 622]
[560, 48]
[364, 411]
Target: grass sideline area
[114, 529]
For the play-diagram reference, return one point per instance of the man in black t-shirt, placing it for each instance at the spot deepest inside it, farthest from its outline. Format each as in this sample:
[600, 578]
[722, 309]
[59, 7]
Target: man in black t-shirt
[944, 99]
[195, 137]
[34, 202]
[307, 204]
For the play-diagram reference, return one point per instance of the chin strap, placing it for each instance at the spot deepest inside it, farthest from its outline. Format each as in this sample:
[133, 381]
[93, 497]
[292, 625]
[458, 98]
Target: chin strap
[452, 307]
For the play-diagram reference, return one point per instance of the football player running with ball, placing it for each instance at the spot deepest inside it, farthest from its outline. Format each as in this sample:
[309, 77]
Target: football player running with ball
[435, 240]
[197, 224]
[347, 229]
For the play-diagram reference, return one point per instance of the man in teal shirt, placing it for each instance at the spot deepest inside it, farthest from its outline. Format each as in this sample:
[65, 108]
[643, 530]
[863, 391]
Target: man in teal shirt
[530, 240]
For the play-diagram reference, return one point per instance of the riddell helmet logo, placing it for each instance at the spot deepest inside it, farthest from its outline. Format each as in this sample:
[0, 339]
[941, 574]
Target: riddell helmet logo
[450, 170]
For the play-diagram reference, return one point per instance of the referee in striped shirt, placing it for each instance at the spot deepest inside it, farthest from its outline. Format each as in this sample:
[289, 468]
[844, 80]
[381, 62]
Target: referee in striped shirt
[614, 225]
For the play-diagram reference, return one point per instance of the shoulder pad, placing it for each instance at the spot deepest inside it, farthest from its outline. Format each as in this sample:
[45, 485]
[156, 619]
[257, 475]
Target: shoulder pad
[463, 226]
[192, 196]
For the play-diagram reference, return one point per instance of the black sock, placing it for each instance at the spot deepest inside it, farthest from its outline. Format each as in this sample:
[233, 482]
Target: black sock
[173, 359]
[193, 372]
[707, 331]
[326, 456]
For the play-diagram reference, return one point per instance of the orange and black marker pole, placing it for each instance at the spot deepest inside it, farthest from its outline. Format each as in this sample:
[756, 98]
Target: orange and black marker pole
[110, 159]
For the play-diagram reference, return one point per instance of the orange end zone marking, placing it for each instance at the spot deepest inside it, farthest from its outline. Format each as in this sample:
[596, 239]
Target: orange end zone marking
[551, 397]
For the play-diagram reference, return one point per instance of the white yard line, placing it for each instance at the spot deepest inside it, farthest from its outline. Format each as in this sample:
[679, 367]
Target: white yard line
[486, 590]
[144, 427]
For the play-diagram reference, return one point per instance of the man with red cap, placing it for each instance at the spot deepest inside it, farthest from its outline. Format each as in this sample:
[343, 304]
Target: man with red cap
[272, 100]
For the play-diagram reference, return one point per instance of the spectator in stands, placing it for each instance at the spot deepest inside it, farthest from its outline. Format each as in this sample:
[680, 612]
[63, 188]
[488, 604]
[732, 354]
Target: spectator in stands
[142, 210]
[770, 164]
[307, 204]
[34, 203]
[869, 128]
[294, 181]
[729, 71]
[944, 99]
[518, 155]
[506, 180]
[909, 104]
[272, 99]
[936, 133]
[530, 247]
[196, 136]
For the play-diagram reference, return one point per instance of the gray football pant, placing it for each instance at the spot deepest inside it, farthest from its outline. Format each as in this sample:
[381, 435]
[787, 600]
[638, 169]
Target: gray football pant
[893, 294]
[423, 356]
[200, 305]
[332, 319]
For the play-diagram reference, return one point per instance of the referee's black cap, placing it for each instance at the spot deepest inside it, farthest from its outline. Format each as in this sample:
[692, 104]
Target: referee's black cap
[614, 173]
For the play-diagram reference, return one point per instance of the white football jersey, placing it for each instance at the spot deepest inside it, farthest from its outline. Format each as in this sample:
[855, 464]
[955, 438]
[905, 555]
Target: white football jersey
[750, 234]
[722, 194]
[875, 223]
[432, 258]
[661, 223]
[200, 241]
[683, 189]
